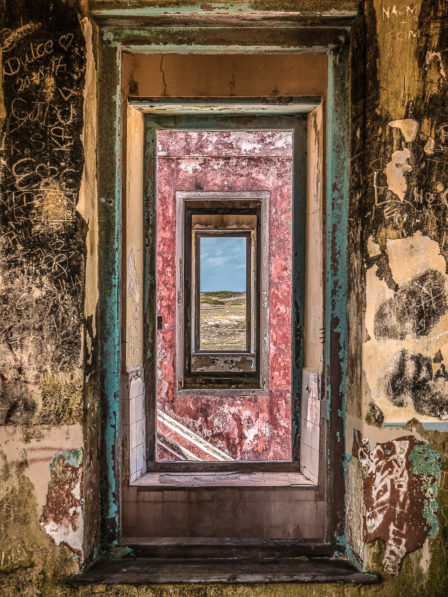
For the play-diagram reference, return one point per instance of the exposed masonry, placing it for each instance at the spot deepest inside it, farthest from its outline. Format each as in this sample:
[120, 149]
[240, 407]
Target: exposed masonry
[62, 515]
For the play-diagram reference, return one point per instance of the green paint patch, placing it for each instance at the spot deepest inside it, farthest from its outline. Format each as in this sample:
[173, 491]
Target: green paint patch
[426, 463]
[30, 563]
[71, 457]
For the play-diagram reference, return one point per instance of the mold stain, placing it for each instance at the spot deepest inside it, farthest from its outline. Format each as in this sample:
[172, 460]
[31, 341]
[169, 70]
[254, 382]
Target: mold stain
[415, 309]
[411, 383]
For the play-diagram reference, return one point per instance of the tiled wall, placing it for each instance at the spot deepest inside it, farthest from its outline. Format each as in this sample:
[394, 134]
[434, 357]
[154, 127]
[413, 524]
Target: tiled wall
[137, 426]
[310, 425]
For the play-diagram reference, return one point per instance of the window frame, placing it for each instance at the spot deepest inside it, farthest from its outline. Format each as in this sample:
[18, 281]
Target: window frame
[257, 203]
[195, 298]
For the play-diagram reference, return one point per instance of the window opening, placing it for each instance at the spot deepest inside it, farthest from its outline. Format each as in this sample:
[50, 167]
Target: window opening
[224, 300]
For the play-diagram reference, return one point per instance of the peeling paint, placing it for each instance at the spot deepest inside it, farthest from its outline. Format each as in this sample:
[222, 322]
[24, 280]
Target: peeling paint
[62, 514]
[245, 427]
[408, 127]
[400, 480]
[395, 172]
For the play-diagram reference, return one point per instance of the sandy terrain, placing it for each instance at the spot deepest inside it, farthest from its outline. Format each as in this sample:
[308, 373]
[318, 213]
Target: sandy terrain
[223, 320]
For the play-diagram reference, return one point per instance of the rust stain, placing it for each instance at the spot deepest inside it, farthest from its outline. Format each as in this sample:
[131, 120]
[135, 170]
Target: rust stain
[62, 514]
[399, 488]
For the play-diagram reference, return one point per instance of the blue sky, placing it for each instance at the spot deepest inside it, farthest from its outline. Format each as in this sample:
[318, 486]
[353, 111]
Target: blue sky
[223, 263]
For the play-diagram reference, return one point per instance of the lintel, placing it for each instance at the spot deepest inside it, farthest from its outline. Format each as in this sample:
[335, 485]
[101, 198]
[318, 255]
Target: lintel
[282, 106]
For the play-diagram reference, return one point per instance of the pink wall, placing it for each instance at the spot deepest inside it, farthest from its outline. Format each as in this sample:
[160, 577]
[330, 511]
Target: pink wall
[245, 427]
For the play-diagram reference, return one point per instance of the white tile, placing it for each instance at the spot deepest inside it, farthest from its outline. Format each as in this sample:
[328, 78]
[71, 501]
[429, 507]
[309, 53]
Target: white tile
[140, 439]
[141, 460]
[132, 411]
[136, 387]
[133, 435]
[313, 410]
[133, 461]
[315, 437]
[140, 407]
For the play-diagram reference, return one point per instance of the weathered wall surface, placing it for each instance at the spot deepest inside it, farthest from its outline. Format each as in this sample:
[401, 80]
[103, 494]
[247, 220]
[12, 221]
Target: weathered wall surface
[256, 427]
[397, 487]
[396, 480]
[44, 190]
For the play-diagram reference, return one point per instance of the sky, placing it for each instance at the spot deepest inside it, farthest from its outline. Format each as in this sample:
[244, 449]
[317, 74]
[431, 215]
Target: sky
[223, 263]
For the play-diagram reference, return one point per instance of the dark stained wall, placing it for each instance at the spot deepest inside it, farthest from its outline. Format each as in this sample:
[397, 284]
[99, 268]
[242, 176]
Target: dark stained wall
[43, 63]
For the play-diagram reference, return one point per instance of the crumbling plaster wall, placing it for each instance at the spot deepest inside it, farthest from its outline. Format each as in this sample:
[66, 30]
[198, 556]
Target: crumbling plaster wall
[48, 274]
[398, 289]
[397, 302]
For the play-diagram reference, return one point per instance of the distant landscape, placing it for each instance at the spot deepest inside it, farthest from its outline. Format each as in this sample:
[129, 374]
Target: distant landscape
[223, 320]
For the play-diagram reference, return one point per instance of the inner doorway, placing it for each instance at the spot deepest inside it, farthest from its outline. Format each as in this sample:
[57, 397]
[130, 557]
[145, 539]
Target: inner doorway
[224, 295]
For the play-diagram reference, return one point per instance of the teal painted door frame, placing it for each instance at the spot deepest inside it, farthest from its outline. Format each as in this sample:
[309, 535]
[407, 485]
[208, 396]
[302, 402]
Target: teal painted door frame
[110, 192]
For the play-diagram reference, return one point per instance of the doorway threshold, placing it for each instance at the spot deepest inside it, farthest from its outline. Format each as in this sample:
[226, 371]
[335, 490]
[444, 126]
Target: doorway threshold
[143, 571]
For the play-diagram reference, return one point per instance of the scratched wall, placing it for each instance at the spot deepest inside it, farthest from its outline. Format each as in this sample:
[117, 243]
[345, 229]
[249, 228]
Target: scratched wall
[406, 208]
[43, 62]
[244, 427]
[398, 273]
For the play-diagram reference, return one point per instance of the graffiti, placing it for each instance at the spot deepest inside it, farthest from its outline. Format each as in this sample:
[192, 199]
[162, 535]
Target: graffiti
[415, 309]
[411, 383]
[398, 11]
[40, 175]
[400, 480]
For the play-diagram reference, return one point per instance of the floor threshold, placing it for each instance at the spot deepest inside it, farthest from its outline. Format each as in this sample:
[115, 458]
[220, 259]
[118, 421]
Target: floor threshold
[143, 571]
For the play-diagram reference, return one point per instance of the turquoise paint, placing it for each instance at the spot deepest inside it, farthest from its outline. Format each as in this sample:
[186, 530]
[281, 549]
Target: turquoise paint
[337, 203]
[429, 426]
[110, 280]
[336, 275]
[426, 463]
[72, 457]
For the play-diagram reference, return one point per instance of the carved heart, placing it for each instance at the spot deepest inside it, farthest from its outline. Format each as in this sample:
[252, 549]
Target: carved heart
[66, 40]
[46, 172]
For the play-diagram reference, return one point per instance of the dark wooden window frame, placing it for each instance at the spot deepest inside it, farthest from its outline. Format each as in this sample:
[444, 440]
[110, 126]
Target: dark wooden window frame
[233, 372]
[196, 278]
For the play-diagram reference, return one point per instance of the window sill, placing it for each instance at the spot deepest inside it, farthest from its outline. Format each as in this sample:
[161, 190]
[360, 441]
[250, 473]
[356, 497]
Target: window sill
[142, 571]
[165, 480]
[218, 392]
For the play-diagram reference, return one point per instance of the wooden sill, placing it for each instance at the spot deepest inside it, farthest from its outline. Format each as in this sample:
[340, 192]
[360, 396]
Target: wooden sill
[142, 571]
[222, 479]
